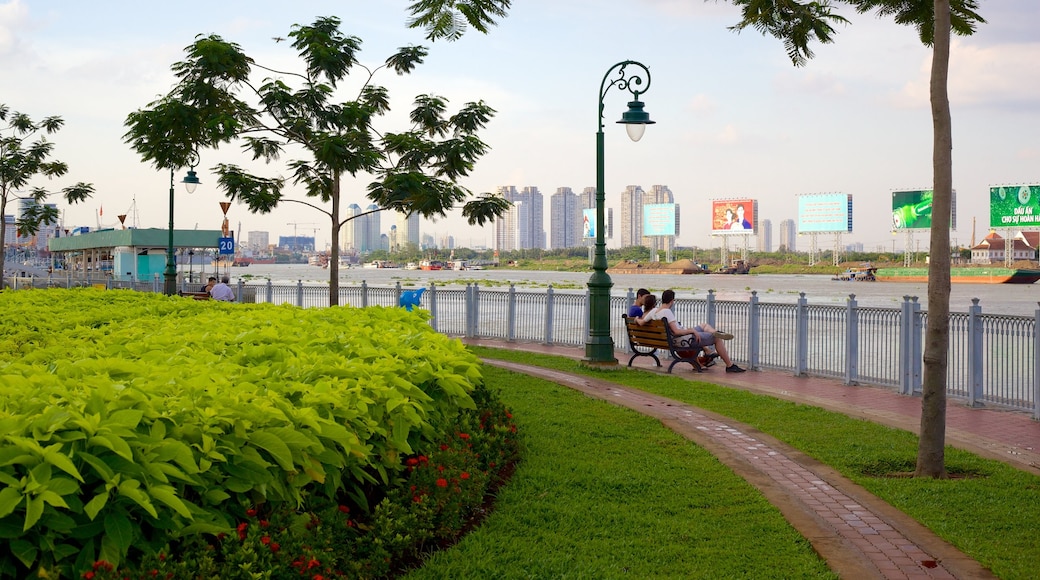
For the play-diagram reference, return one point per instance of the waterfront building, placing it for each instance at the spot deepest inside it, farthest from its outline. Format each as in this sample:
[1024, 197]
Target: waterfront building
[631, 216]
[565, 217]
[788, 234]
[521, 226]
[407, 230]
[765, 236]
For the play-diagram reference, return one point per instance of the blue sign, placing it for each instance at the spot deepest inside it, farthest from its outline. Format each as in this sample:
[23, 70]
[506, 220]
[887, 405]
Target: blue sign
[227, 246]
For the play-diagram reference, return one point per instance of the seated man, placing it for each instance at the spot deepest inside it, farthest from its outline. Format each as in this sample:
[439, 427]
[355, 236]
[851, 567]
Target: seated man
[636, 310]
[222, 291]
[698, 337]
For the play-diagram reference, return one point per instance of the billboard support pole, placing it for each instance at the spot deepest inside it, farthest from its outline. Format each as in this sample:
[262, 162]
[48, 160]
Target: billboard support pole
[908, 239]
[837, 248]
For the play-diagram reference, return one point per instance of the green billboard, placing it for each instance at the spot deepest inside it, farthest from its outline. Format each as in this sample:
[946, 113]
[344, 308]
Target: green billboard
[1014, 206]
[912, 210]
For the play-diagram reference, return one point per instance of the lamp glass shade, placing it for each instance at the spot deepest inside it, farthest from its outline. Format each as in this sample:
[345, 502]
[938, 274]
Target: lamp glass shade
[191, 181]
[635, 120]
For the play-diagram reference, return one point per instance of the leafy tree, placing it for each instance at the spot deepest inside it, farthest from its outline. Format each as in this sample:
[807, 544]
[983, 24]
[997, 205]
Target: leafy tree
[21, 160]
[449, 19]
[797, 24]
[217, 100]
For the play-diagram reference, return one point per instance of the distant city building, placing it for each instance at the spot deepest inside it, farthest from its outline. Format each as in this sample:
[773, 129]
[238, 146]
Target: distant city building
[258, 241]
[296, 243]
[565, 219]
[11, 231]
[765, 236]
[448, 242]
[632, 216]
[521, 226]
[428, 242]
[372, 235]
[788, 235]
[408, 230]
[854, 247]
[350, 234]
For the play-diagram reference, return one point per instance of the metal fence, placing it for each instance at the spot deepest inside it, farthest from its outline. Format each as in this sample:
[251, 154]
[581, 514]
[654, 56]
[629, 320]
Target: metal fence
[993, 359]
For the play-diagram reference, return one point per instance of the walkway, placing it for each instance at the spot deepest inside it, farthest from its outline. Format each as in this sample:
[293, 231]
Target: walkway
[858, 535]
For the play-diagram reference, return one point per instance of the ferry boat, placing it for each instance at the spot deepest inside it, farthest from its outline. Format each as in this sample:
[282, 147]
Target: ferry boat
[381, 264]
[862, 274]
[431, 265]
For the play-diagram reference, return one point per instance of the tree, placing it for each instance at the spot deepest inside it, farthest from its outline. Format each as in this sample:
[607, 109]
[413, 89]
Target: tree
[798, 24]
[22, 160]
[415, 171]
[449, 19]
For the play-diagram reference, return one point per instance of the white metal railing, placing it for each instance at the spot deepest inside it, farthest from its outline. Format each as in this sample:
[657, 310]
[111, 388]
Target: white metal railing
[993, 359]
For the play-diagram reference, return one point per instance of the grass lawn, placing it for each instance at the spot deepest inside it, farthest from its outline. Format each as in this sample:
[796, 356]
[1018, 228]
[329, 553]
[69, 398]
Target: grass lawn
[588, 501]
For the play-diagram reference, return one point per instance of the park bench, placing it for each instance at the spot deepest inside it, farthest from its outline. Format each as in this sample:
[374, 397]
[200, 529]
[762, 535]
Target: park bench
[195, 295]
[646, 339]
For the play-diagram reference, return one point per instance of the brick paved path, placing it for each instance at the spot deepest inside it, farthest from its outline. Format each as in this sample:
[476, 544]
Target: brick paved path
[857, 534]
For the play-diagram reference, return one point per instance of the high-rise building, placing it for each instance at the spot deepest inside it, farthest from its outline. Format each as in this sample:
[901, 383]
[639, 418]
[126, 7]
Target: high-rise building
[765, 235]
[632, 216]
[521, 226]
[350, 234]
[588, 201]
[787, 235]
[258, 241]
[407, 230]
[565, 217]
[371, 233]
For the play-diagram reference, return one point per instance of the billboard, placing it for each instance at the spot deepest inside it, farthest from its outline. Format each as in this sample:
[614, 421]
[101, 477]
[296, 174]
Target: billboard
[825, 212]
[912, 210]
[588, 223]
[1014, 206]
[734, 216]
[659, 219]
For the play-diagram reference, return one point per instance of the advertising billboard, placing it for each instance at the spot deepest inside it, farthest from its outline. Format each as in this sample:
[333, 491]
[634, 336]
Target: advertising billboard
[912, 210]
[659, 219]
[588, 223]
[734, 216]
[1014, 206]
[824, 212]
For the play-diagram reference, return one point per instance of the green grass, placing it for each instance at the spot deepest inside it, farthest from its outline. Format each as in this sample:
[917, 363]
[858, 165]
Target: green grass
[604, 492]
[991, 512]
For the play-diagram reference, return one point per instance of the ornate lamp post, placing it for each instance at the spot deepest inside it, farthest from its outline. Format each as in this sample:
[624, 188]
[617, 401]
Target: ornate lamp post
[190, 181]
[599, 346]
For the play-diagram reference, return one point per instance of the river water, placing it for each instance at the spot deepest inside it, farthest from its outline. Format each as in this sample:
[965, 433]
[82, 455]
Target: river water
[1012, 299]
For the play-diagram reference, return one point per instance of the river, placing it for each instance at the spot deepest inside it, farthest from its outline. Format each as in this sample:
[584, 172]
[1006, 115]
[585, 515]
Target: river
[1012, 299]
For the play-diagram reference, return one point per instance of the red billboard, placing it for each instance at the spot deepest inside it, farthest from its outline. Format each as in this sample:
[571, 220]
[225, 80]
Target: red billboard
[734, 216]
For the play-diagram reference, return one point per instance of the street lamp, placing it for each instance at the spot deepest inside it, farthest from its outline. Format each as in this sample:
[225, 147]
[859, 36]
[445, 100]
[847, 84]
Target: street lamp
[190, 181]
[599, 346]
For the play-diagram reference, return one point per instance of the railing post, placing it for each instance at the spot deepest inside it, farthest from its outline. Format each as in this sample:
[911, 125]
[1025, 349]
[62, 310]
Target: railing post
[299, 293]
[1036, 364]
[155, 283]
[433, 307]
[549, 315]
[397, 293]
[801, 351]
[238, 292]
[511, 314]
[975, 329]
[754, 337]
[270, 292]
[918, 353]
[476, 311]
[710, 315]
[588, 300]
[851, 341]
[906, 323]
[364, 294]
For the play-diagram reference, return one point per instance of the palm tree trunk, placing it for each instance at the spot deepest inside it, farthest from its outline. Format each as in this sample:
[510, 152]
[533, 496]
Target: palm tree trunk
[930, 450]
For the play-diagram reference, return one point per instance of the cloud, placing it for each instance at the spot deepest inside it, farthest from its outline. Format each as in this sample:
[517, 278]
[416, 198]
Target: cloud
[14, 16]
[702, 104]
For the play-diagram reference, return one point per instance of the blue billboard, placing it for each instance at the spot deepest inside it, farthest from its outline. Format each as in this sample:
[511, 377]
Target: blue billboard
[825, 212]
[659, 219]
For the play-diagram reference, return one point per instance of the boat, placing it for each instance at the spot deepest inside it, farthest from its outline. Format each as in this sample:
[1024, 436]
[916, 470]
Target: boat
[862, 274]
[738, 267]
[381, 264]
[431, 265]
[677, 267]
[964, 275]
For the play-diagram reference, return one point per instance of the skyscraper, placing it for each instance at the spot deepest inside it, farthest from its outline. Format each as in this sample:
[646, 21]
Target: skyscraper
[765, 235]
[787, 235]
[565, 219]
[407, 230]
[521, 226]
[632, 216]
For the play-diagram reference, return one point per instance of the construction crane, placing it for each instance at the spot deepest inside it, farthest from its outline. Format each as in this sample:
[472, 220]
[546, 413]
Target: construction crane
[295, 238]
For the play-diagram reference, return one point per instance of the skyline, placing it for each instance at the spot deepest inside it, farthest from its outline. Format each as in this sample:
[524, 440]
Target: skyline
[734, 119]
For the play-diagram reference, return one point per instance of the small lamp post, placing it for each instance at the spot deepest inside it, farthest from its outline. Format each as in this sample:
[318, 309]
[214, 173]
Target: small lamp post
[190, 181]
[599, 346]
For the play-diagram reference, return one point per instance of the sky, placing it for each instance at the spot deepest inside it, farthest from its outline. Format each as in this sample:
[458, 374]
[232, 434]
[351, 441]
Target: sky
[734, 118]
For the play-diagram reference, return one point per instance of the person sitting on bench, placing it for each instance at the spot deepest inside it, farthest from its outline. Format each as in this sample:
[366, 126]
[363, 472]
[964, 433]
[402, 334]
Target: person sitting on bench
[696, 338]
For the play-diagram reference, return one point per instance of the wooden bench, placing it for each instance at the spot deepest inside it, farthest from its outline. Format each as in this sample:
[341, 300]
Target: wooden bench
[645, 339]
[195, 295]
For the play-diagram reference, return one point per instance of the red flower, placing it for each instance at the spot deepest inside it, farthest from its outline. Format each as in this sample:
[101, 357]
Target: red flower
[465, 475]
[509, 415]
[88, 575]
[444, 446]
[103, 565]
[417, 499]
[162, 557]
[275, 547]
[242, 530]
[264, 523]
[440, 468]
[423, 458]
[463, 435]
[312, 563]
[441, 482]
[265, 540]
[411, 461]
[344, 509]
[251, 512]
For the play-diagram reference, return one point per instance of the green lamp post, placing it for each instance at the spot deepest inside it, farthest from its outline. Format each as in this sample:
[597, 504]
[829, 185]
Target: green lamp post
[190, 181]
[599, 346]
